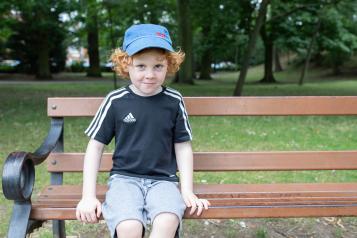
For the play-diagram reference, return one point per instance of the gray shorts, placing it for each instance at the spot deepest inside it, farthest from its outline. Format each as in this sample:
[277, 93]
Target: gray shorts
[140, 199]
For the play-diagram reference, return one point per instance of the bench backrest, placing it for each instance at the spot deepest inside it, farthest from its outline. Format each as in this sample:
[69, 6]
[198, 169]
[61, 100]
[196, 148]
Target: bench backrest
[229, 106]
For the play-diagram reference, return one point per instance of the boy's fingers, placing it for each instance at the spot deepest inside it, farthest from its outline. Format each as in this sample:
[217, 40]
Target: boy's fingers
[187, 202]
[93, 217]
[77, 215]
[99, 210]
[89, 217]
[200, 207]
[193, 206]
[205, 203]
[83, 218]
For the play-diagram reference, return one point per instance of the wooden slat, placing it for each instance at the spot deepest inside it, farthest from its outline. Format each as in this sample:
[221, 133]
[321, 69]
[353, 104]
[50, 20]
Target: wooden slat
[200, 106]
[72, 202]
[40, 213]
[231, 161]
[229, 190]
[229, 200]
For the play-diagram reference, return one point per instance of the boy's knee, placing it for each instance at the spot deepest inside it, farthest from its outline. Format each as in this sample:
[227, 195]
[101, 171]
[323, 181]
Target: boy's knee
[166, 220]
[129, 228]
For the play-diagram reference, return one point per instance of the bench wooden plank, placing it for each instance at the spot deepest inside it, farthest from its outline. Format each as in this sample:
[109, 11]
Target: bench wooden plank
[231, 161]
[228, 200]
[224, 212]
[214, 106]
[72, 202]
[230, 190]
[217, 202]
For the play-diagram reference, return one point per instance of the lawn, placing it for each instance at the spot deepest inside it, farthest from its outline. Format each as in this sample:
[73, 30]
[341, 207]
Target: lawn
[24, 125]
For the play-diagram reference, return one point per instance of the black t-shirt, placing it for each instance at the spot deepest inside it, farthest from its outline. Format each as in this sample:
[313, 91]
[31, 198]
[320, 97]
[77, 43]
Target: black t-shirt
[145, 130]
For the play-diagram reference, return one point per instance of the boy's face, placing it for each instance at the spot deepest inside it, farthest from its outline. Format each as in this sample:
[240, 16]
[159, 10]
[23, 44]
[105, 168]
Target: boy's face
[148, 72]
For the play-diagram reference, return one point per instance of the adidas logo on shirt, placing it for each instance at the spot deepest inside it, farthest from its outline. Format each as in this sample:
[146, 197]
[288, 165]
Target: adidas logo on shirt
[129, 118]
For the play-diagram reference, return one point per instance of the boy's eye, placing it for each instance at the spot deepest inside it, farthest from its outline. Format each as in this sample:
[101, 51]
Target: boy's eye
[159, 66]
[140, 66]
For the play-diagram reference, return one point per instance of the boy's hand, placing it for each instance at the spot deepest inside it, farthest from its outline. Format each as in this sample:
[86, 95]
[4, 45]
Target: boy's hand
[191, 200]
[89, 210]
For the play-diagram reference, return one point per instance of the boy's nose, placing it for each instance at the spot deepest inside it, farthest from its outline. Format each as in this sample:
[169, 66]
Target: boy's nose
[149, 73]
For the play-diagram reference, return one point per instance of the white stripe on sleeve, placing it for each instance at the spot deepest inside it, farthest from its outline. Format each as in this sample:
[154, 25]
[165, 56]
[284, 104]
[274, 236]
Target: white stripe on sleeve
[95, 120]
[184, 114]
[102, 117]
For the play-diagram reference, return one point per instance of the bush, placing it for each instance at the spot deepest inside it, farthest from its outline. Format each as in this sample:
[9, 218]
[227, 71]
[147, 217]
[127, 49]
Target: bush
[9, 66]
[77, 66]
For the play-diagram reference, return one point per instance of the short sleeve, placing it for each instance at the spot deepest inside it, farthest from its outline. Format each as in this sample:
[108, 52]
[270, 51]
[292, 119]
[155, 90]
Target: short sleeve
[102, 127]
[182, 126]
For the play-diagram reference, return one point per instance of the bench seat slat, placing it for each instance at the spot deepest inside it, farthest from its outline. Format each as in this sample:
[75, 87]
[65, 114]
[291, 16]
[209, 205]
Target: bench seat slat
[263, 194]
[65, 202]
[232, 190]
[215, 106]
[231, 161]
[228, 200]
[221, 212]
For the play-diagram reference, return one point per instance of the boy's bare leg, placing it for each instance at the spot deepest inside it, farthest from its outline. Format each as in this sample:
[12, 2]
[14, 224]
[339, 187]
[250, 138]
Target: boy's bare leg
[164, 225]
[130, 229]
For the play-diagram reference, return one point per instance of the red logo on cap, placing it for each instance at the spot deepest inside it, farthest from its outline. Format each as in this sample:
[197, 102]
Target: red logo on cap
[161, 34]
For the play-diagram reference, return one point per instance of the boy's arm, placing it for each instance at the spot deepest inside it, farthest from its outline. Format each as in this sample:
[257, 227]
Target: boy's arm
[184, 159]
[89, 208]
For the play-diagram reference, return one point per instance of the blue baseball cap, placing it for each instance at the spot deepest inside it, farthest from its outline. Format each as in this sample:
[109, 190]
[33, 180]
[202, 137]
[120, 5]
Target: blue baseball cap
[142, 36]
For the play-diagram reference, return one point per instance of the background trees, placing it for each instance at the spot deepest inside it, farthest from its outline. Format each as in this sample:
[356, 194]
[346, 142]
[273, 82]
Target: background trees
[37, 36]
[213, 34]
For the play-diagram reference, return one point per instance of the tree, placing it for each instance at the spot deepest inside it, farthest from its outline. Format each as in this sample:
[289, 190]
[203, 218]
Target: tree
[309, 52]
[319, 31]
[215, 33]
[251, 46]
[5, 31]
[337, 37]
[268, 41]
[38, 34]
[273, 28]
[92, 9]
[185, 39]
[277, 62]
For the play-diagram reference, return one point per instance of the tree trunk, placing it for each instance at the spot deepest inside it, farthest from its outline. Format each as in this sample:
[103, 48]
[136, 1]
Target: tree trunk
[308, 55]
[206, 58]
[268, 62]
[112, 40]
[185, 38]
[278, 66]
[251, 47]
[43, 60]
[206, 65]
[93, 41]
[336, 69]
[268, 42]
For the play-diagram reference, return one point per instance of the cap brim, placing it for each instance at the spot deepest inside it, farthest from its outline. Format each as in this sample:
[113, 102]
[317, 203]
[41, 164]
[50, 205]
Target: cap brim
[147, 42]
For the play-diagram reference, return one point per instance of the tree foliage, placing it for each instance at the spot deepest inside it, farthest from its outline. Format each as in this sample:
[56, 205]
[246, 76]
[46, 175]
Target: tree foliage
[38, 32]
[38, 35]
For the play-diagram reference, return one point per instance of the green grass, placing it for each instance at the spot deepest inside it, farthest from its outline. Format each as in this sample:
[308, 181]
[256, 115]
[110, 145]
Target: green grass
[24, 125]
[261, 233]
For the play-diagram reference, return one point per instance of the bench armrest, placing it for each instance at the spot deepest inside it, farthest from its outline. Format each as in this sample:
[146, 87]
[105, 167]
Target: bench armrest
[18, 174]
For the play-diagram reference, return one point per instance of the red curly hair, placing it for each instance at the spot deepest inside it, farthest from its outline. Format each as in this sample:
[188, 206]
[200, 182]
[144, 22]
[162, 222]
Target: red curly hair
[121, 60]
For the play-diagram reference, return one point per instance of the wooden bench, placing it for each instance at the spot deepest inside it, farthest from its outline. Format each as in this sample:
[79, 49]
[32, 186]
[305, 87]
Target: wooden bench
[57, 201]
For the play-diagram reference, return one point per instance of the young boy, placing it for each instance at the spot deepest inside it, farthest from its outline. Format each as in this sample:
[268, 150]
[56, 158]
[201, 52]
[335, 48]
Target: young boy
[152, 139]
